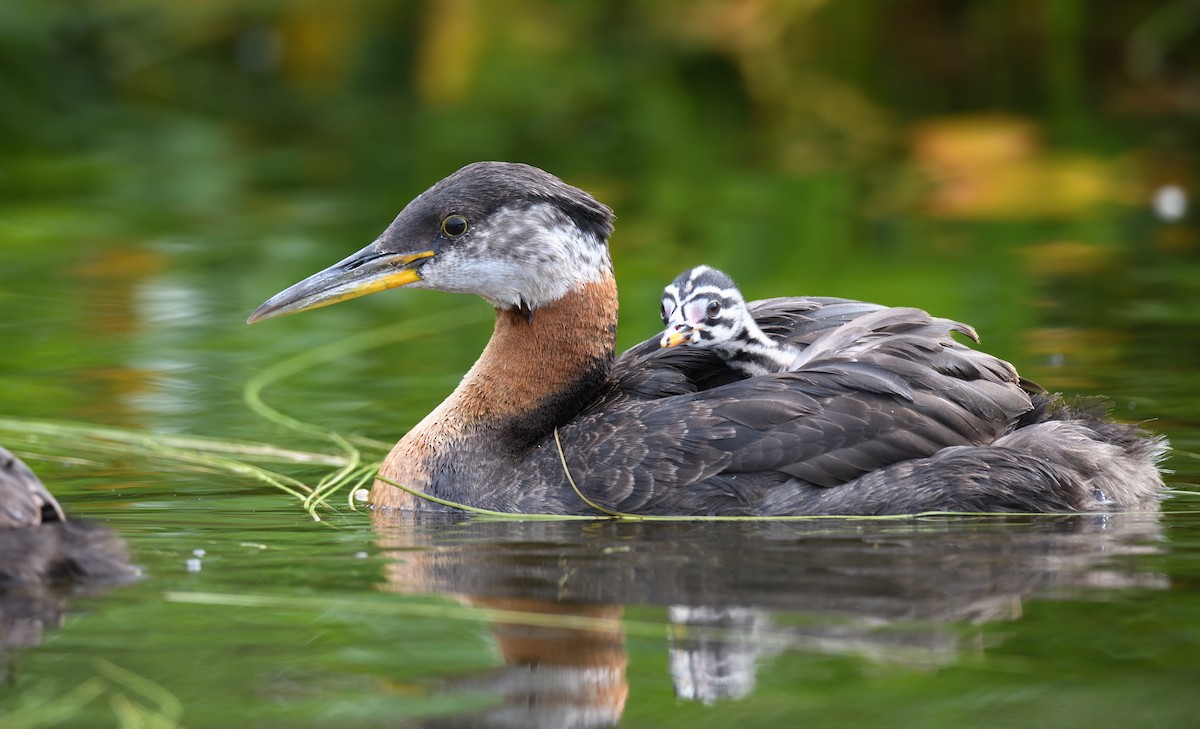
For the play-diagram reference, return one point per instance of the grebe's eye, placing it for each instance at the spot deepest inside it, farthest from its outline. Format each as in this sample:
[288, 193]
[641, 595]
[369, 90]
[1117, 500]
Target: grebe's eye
[454, 225]
[713, 310]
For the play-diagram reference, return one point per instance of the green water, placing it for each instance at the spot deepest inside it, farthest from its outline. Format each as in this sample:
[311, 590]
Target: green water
[158, 183]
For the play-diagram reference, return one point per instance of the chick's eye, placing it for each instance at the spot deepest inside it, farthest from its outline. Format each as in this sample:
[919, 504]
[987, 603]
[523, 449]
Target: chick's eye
[666, 311]
[454, 225]
[713, 310]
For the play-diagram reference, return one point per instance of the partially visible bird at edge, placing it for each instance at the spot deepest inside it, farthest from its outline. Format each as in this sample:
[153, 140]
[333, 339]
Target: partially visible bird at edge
[868, 410]
[38, 544]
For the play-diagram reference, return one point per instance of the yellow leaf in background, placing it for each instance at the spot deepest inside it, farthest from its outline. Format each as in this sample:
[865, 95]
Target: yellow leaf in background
[1070, 257]
[1070, 353]
[450, 41]
[996, 167]
[317, 40]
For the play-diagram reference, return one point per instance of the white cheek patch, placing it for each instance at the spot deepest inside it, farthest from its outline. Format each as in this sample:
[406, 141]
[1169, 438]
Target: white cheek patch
[497, 282]
[531, 256]
[695, 312]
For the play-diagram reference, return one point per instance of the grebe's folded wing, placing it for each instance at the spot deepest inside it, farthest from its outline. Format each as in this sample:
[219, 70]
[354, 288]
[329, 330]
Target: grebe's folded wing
[825, 426]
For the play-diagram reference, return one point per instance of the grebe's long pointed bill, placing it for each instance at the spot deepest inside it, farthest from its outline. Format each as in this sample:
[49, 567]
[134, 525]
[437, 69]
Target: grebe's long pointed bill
[363, 273]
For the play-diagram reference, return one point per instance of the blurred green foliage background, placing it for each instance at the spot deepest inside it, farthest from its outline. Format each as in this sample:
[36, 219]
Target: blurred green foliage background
[765, 114]
[993, 160]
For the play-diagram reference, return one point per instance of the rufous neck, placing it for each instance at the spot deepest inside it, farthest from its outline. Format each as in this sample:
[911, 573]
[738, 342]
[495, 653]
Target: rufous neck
[536, 360]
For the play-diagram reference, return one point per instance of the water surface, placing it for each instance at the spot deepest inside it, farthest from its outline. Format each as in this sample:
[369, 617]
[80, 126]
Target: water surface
[163, 179]
[250, 613]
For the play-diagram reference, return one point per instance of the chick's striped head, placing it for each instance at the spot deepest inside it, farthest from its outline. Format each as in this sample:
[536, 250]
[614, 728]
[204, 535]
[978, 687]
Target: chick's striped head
[703, 307]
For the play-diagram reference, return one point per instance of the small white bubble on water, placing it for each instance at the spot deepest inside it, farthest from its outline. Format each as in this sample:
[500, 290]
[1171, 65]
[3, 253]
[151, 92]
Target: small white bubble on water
[199, 552]
[361, 495]
[193, 564]
[361, 555]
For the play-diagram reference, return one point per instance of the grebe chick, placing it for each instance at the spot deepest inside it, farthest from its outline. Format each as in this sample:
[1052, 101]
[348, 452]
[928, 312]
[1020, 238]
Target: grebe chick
[703, 307]
[911, 428]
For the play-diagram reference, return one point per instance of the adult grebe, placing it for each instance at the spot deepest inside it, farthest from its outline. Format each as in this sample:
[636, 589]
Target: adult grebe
[676, 431]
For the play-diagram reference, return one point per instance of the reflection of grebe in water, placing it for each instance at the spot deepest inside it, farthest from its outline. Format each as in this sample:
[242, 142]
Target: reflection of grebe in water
[898, 593]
